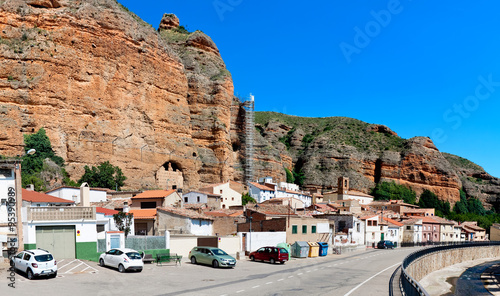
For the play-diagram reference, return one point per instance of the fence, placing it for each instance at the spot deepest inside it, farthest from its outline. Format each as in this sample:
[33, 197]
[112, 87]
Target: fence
[61, 213]
[408, 285]
[141, 243]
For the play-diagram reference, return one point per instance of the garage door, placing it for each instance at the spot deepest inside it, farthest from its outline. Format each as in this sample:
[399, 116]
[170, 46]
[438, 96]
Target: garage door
[59, 240]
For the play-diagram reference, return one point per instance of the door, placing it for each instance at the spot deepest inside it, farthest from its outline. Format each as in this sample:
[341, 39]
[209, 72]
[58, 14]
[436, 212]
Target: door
[382, 236]
[58, 240]
[115, 241]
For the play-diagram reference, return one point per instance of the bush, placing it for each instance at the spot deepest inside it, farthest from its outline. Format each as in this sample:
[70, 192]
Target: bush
[391, 190]
[104, 176]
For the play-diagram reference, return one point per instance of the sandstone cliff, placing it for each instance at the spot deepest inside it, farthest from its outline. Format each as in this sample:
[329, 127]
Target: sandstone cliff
[107, 86]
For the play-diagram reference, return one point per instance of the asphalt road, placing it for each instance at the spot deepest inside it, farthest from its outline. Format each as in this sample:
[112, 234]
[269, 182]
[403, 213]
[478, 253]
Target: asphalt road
[361, 273]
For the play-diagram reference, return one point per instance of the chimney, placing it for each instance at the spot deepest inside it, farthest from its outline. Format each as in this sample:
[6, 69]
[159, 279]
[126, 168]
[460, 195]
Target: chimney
[126, 208]
[30, 187]
[85, 195]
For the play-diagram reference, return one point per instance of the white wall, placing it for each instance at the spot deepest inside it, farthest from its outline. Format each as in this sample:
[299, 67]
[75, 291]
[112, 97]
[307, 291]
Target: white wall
[206, 227]
[74, 194]
[182, 245]
[5, 183]
[230, 197]
[230, 244]
[255, 240]
[88, 232]
[193, 198]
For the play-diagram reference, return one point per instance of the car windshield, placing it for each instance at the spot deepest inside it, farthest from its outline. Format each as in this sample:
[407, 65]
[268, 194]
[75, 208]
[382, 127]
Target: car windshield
[134, 255]
[285, 251]
[44, 258]
[219, 252]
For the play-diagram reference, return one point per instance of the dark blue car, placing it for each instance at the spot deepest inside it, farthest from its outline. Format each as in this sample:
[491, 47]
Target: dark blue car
[385, 245]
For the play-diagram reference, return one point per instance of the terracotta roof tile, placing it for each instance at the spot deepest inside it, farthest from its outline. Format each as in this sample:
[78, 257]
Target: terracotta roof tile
[154, 194]
[186, 213]
[106, 212]
[141, 214]
[33, 196]
[394, 222]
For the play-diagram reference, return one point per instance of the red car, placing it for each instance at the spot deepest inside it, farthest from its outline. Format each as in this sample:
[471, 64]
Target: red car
[271, 254]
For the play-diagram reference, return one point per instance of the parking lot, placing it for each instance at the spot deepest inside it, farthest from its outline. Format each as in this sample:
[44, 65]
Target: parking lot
[298, 276]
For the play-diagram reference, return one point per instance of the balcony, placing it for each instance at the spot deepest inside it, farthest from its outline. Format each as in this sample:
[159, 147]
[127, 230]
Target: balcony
[60, 213]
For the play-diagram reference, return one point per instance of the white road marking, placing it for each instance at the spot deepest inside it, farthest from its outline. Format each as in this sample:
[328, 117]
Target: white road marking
[279, 280]
[355, 288]
[240, 291]
[66, 264]
[300, 273]
[254, 287]
[268, 283]
[74, 267]
[308, 271]
[290, 277]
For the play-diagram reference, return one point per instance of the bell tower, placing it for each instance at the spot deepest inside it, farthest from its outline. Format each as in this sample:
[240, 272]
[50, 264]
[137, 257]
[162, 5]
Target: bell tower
[343, 185]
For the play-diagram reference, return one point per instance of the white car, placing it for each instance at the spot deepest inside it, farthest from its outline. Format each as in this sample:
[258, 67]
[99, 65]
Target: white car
[35, 263]
[123, 259]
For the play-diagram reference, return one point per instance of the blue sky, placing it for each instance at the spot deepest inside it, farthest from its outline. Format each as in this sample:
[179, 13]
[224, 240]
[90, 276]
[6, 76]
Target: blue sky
[420, 67]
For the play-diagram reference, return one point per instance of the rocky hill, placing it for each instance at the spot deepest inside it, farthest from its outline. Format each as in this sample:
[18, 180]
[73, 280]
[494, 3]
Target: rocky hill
[326, 148]
[107, 86]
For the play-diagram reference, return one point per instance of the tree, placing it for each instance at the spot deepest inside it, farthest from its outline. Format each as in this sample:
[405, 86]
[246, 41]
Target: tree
[123, 221]
[105, 176]
[289, 176]
[430, 200]
[33, 165]
[391, 190]
[246, 198]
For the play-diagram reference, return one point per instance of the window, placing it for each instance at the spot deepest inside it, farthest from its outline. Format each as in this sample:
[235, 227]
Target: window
[100, 228]
[185, 199]
[198, 199]
[148, 205]
[434, 228]
[304, 229]
[358, 226]
[313, 229]
[341, 225]
[408, 227]
[294, 229]
[221, 191]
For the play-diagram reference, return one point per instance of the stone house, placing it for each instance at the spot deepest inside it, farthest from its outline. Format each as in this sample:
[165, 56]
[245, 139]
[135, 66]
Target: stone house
[152, 199]
[348, 224]
[184, 221]
[226, 221]
[412, 230]
[473, 232]
[144, 221]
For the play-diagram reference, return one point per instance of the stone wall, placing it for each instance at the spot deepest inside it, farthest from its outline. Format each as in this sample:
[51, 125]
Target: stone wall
[426, 264]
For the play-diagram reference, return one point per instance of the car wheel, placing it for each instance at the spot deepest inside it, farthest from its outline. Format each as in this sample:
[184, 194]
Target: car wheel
[193, 260]
[54, 275]
[272, 261]
[121, 268]
[252, 258]
[282, 262]
[12, 263]
[30, 274]
[215, 264]
[101, 262]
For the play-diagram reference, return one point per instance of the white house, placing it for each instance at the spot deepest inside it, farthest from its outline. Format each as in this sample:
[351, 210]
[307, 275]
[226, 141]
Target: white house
[265, 189]
[73, 193]
[394, 231]
[198, 197]
[375, 230]
[229, 196]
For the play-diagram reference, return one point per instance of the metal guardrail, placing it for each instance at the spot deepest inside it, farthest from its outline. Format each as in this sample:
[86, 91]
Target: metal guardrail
[409, 286]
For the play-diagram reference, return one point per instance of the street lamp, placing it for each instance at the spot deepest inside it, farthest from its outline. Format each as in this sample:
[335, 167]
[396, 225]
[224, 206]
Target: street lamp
[19, 201]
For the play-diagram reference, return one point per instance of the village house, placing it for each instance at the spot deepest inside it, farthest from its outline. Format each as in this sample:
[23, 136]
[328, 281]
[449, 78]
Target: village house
[446, 229]
[430, 229]
[412, 231]
[229, 196]
[473, 232]
[184, 221]
[348, 224]
[266, 189]
[212, 201]
[226, 221]
[394, 231]
[37, 199]
[375, 229]
[74, 193]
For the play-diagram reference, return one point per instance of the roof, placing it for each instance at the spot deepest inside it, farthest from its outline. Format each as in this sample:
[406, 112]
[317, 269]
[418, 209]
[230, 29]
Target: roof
[443, 220]
[154, 194]
[429, 220]
[33, 196]
[106, 212]
[113, 203]
[186, 213]
[393, 222]
[472, 226]
[203, 192]
[225, 213]
[367, 217]
[261, 187]
[412, 221]
[143, 214]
